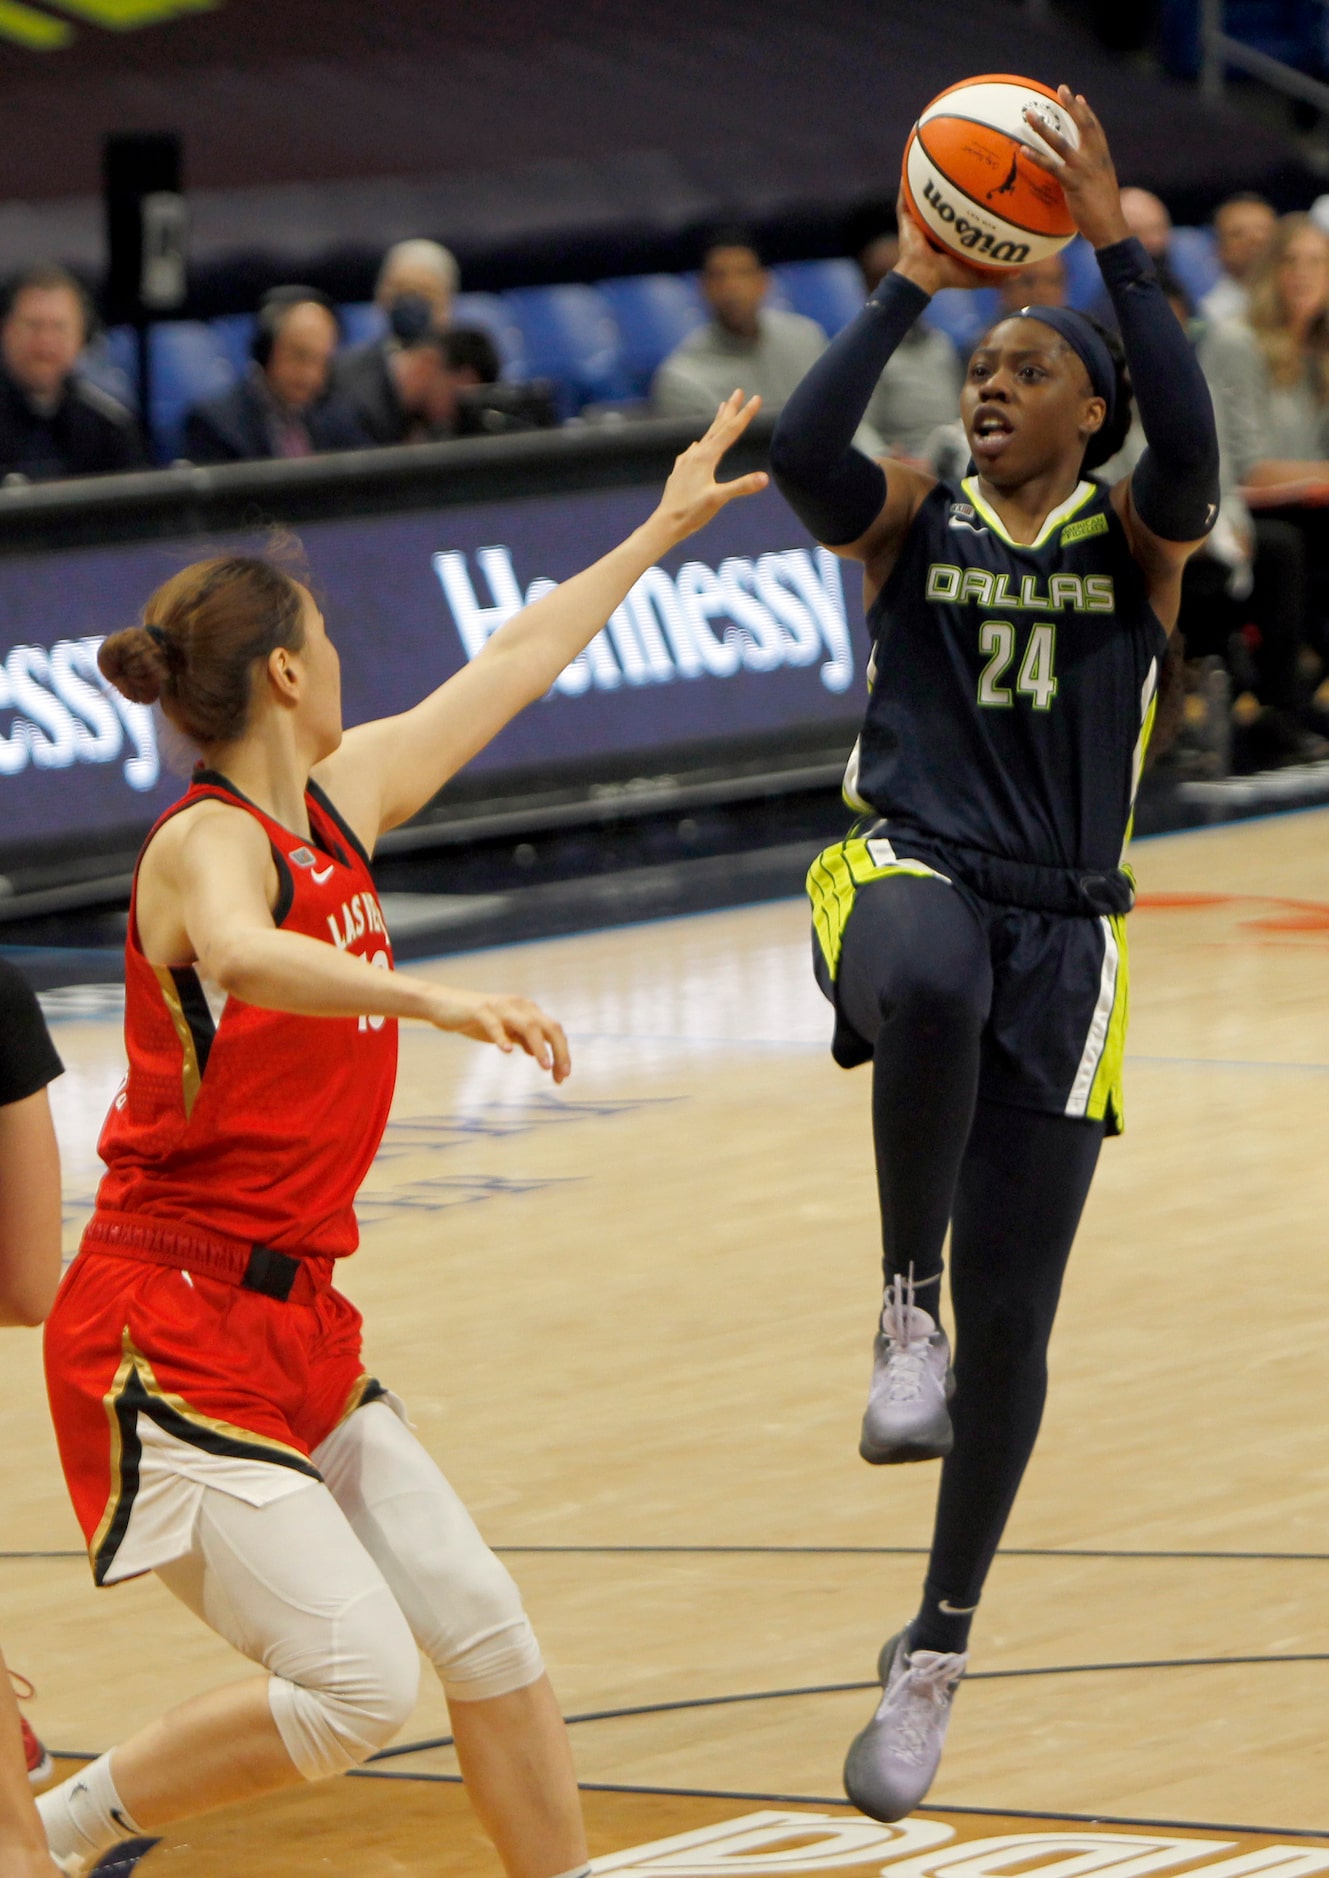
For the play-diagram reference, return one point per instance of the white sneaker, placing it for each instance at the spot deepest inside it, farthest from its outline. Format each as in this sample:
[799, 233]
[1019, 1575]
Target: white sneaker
[893, 1762]
[906, 1418]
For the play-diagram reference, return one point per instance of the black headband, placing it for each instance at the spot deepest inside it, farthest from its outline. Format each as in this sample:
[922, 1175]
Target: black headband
[1086, 343]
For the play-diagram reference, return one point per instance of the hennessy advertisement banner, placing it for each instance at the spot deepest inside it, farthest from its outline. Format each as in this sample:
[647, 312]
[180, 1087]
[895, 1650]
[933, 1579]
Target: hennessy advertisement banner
[743, 631]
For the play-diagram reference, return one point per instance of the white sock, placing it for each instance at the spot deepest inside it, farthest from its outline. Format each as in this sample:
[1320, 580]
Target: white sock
[84, 1814]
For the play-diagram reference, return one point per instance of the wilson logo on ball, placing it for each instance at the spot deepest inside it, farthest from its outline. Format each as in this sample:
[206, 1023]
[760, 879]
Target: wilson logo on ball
[974, 240]
[970, 182]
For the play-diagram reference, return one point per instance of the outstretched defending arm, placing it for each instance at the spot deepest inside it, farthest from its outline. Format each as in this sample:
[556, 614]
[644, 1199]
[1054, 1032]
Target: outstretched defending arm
[384, 771]
[1174, 490]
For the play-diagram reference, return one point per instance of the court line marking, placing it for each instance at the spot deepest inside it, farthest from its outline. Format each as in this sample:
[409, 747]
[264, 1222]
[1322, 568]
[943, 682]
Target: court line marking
[859, 1688]
[820, 1799]
[846, 1551]
[919, 1551]
[685, 1041]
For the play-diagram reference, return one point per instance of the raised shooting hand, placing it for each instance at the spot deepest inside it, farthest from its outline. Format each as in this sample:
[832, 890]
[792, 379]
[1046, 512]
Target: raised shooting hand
[1085, 172]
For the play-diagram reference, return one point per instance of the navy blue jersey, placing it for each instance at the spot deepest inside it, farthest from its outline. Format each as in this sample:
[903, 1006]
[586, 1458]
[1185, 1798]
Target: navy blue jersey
[1012, 686]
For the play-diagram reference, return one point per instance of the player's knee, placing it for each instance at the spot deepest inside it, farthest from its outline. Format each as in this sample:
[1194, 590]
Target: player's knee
[929, 997]
[1009, 1335]
[350, 1700]
[482, 1644]
[498, 1662]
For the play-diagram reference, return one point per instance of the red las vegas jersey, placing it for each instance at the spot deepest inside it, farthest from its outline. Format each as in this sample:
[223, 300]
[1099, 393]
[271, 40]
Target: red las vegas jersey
[261, 1127]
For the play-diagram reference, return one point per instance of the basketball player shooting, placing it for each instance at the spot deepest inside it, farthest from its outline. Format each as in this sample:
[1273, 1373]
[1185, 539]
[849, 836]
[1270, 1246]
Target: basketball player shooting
[970, 931]
[214, 1419]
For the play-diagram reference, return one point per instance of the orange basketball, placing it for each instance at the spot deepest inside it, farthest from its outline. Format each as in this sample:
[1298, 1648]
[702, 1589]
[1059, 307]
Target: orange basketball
[968, 180]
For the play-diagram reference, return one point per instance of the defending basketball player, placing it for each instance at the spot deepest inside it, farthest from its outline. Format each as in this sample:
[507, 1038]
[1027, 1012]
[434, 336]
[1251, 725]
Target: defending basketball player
[970, 931]
[29, 1273]
[215, 1422]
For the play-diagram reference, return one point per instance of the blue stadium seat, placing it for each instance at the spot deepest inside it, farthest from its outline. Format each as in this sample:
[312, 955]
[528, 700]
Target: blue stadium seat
[1194, 260]
[187, 363]
[112, 365]
[488, 312]
[963, 316]
[122, 351]
[655, 313]
[830, 292]
[236, 333]
[1289, 30]
[571, 337]
[361, 321]
[1084, 283]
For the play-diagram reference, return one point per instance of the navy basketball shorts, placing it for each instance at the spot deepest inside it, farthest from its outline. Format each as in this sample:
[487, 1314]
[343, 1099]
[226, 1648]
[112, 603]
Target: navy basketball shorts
[1054, 1015]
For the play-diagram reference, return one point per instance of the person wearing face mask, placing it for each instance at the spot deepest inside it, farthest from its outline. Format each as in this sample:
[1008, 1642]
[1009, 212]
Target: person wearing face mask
[53, 422]
[406, 387]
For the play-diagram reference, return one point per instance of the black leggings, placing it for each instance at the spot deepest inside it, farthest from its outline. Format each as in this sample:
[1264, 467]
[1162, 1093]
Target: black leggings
[915, 981]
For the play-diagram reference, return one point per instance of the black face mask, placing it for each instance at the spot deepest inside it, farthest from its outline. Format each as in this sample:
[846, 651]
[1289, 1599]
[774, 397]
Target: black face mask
[410, 317]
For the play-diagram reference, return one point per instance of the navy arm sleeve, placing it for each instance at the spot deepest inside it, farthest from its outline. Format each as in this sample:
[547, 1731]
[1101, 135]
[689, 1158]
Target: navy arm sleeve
[1175, 484]
[833, 488]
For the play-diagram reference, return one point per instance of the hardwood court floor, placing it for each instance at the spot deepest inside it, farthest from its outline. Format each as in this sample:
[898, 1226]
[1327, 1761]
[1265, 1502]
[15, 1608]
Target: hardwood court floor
[633, 1320]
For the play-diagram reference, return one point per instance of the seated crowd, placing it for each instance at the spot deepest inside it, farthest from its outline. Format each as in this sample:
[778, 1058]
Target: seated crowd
[1255, 613]
[303, 392]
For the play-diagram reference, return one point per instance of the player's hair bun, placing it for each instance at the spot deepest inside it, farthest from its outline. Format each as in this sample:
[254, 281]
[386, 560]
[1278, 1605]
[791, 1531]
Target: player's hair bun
[203, 634]
[137, 662]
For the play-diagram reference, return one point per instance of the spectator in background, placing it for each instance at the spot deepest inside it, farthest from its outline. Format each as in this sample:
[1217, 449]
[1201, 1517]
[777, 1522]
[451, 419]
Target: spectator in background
[743, 343]
[282, 407]
[1148, 220]
[1278, 372]
[53, 422]
[920, 387]
[1042, 283]
[876, 260]
[1288, 351]
[1243, 592]
[407, 391]
[1244, 228]
[414, 291]
[424, 269]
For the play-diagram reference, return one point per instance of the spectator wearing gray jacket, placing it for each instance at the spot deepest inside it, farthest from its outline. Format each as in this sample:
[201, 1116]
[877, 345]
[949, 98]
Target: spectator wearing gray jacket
[744, 343]
[1243, 229]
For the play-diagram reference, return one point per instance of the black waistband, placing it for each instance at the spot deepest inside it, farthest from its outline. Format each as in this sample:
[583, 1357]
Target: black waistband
[271, 1273]
[1064, 890]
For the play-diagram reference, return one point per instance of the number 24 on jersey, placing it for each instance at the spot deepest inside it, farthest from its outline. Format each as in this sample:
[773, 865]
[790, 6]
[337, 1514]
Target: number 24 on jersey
[1036, 678]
